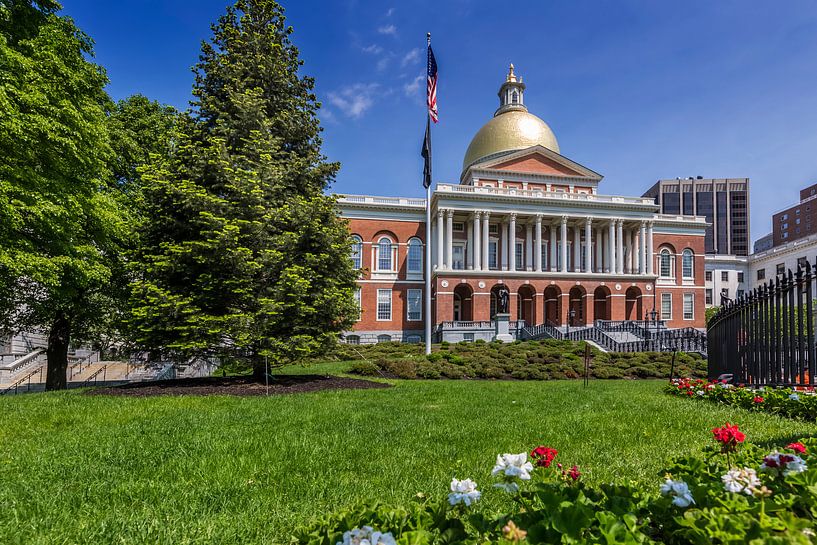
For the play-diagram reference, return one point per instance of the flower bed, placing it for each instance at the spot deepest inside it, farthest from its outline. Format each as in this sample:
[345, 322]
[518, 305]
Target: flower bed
[528, 360]
[794, 403]
[734, 493]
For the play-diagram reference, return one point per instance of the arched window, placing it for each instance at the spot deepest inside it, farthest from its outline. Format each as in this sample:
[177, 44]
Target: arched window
[384, 338]
[384, 254]
[357, 252]
[665, 263]
[352, 339]
[687, 264]
[514, 98]
[415, 255]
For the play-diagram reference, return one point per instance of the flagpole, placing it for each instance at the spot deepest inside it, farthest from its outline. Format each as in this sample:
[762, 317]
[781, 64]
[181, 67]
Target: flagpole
[428, 240]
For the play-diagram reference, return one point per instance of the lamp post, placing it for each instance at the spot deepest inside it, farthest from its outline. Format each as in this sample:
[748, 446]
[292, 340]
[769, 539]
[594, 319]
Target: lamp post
[570, 316]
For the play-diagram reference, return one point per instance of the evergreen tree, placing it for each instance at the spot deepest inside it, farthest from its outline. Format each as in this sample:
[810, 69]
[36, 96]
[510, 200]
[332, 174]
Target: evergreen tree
[61, 226]
[242, 253]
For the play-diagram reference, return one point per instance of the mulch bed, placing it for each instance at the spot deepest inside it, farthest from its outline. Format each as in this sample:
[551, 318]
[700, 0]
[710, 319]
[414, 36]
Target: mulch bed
[237, 386]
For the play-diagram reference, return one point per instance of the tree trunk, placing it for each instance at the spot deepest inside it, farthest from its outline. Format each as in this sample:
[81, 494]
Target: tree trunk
[57, 353]
[259, 368]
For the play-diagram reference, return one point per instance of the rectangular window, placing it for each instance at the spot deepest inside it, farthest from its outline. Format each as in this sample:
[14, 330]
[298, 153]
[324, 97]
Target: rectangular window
[708, 296]
[414, 305]
[801, 262]
[493, 229]
[458, 257]
[383, 305]
[689, 306]
[739, 294]
[545, 257]
[666, 306]
[724, 276]
[492, 251]
[468, 337]
[761, 274]
[740, 277]
[520, 256]
[458, 227]
[781, 268]
[359, 306]
[709, 276]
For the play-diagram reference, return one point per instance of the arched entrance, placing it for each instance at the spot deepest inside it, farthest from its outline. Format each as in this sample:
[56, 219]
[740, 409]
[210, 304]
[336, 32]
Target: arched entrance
[601, 303]
[553, 305]
[577, 306]
[632, 304]
[525, 307]
[463, 303]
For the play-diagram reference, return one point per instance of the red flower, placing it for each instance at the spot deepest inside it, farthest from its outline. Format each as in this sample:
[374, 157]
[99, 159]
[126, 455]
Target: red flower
[758, 399]
[543, 456]
[574, 473]
[728, 436]
[798, 447]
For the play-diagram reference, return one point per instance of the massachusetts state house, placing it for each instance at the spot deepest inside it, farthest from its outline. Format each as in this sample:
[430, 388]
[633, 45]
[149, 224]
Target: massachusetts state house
[528, 218]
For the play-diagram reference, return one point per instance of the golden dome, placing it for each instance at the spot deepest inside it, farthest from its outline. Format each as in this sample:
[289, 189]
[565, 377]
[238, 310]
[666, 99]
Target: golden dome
[513, 128]
[509, 131]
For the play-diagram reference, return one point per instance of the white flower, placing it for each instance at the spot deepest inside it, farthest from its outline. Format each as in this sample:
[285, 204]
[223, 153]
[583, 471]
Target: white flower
[367, 536]
[700, 392]
[725, 386]
[464, 491]
[513, 465]
[741, 480]
[780, 463]
[794, 397]
[679, 490]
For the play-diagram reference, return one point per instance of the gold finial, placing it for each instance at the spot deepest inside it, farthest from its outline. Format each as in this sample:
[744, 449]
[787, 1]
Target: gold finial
[511, 75]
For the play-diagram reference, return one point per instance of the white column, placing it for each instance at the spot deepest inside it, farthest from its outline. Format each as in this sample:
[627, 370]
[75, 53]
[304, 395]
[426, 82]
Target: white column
[649, 249]
[538, 242]
[512, 243]
[504, 251]
[486, 238]
[611, 246]
[563, 249]
[598, 262]
[552, 264]
[642, 249]
[476, 242]
[577, 248]
[632, 252]
[469, 252]
[440, 240]
[588, 245]
[529, 246]
[449, 239]
[620, 246]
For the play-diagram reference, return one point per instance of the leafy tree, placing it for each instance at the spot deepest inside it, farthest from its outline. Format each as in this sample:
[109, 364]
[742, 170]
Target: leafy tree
[60, 225]
[242, 253]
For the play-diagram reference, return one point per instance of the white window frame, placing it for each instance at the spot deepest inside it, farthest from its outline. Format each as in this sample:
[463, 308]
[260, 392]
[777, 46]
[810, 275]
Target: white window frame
[688, 254]
[414, 244]
[688, 298]
[670, 264]
[412, 294]
[357, 252]
[392, 259]
[708, 296]
[519, 255]
[454, 247]
[493, 254]
[382, 294]
[668, 315]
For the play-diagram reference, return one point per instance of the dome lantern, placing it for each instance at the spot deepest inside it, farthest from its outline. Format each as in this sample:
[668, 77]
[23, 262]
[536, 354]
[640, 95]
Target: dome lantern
[511, 94]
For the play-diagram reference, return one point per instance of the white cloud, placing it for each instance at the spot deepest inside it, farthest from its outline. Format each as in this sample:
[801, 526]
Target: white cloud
[411, 57]
[413, 88]
[390, 12]
[388, 29]
[383, 63]
[354, 100]
[374, 49]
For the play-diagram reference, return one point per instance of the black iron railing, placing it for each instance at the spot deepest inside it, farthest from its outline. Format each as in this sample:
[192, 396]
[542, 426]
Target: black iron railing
[767, 336]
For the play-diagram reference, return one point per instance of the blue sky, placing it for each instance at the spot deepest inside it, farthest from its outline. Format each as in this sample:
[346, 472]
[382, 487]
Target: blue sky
[635, 90]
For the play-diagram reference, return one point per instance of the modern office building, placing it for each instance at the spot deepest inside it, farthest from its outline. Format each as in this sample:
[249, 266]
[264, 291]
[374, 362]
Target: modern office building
[724, 202]
[798, 221]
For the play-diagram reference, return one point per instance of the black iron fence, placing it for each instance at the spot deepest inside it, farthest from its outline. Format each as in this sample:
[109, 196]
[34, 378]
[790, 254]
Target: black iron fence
[767, 336]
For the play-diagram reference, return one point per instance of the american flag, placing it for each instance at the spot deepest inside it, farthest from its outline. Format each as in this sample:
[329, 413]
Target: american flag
[432, 85]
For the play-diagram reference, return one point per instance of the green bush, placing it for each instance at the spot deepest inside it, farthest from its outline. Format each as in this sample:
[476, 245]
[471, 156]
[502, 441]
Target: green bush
[365, 368]
[733, 493]
[428, 370]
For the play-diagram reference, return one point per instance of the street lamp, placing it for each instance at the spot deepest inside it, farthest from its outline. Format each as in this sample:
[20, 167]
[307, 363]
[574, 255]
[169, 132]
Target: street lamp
[570, 316]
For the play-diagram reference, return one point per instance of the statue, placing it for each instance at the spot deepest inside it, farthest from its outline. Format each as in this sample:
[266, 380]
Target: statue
[503, 299]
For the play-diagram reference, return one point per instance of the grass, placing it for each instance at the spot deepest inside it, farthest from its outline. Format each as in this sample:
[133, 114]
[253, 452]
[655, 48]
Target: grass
[92, 469]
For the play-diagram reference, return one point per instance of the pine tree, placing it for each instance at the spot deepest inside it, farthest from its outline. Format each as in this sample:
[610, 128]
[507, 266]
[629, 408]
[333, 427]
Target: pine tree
[243, 253]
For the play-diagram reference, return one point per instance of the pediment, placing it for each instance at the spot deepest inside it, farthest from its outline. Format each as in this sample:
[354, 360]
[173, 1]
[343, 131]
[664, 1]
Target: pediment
[537, 160]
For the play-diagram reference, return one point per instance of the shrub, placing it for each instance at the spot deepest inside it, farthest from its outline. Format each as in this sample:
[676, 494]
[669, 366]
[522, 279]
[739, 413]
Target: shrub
[365, 368]
[428, 370]
[400, 368]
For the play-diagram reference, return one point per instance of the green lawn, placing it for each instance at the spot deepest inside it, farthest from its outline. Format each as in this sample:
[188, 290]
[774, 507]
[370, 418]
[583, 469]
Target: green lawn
[87, 469]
